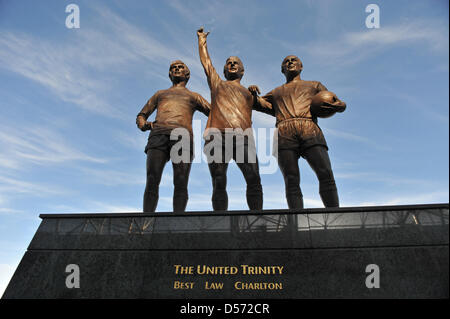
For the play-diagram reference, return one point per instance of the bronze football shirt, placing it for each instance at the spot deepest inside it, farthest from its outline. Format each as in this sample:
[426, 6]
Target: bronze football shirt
[293, 99]
[175, 108]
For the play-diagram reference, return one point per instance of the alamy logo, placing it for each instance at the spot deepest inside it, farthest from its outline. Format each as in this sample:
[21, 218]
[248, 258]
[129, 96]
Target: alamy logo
[73, 279]
[244, 146]
[373, 279]
[73, 19]
[373, 19]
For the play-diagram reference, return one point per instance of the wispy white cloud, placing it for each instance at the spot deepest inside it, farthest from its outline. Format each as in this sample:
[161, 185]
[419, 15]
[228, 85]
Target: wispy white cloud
[8, 162]
[12, 185]
[37, 145]
[136, 141]
[113, 177]
[393, 199]
[96, 207]
[206, 12]
[388, 180]
[4, 209]
[9, 211]
[431, 111]
[341, 134]
[82, 70]
[55, 67]
[144, 47]
[346, 135]
[93, 206]
[419, 32]
[431, 197]
[429, 35]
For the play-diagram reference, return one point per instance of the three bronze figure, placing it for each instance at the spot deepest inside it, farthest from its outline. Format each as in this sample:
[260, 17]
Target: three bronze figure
[296, 105]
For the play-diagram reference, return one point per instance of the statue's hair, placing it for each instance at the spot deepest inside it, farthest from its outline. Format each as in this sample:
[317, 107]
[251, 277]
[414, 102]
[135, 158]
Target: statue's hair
[282, 63]
[188, 72]
[240, 63]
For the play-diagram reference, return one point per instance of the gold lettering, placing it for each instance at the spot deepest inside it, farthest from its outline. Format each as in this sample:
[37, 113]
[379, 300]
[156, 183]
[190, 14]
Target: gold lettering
[216, 270]
[184, 270]
[183, 285]
[261, 270]
[213, 285]
[258, 285]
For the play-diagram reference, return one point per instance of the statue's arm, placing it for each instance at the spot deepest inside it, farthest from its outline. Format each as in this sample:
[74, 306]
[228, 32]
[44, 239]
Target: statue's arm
[261, 104]
[210, 71]
[339, 105]
[202, 105]
[143, 115]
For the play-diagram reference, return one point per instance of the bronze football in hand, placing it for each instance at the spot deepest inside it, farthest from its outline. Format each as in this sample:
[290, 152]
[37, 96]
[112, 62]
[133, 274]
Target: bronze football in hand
[325, 104]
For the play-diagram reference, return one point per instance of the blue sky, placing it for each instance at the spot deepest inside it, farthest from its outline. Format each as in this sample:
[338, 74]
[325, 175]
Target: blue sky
[69, 97]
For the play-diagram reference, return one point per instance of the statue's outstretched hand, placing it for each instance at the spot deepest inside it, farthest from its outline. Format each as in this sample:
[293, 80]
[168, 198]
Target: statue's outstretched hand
[201, 33]
[254, 89]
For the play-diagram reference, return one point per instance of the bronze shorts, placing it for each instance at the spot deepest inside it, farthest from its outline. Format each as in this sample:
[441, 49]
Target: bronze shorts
[240, 148]
[299, 134]
[163, 143]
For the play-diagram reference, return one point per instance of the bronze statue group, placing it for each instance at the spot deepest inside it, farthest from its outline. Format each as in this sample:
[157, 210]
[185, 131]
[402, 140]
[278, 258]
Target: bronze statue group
[296, 105]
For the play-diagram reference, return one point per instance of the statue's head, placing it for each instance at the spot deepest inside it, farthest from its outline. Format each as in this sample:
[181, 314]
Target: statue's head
[178, 71]
[291, 65]
[233, 68]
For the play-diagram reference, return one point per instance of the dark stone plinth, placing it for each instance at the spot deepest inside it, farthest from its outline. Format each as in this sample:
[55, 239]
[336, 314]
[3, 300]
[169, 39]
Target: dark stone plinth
[323, 252]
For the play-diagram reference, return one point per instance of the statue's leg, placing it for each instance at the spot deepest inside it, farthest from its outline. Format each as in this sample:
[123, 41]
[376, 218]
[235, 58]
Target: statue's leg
[219, 180]
[288, 163]
[254, 191]
[156, 160]
[181, 173]
[318, 159]
[244, 154]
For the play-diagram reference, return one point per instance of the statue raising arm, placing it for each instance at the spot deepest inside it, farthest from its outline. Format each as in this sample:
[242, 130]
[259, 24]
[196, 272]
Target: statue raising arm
[210, 71]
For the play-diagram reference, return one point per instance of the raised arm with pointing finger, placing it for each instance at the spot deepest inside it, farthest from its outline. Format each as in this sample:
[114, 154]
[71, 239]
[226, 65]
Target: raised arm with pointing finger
[210, 71]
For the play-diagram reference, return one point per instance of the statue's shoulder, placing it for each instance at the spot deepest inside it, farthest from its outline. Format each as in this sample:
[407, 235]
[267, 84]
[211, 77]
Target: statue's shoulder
[155, 96]
[278, 88]
[192, 93]
[311, 83]
[316, 84]
[163, 91]
[158, 93]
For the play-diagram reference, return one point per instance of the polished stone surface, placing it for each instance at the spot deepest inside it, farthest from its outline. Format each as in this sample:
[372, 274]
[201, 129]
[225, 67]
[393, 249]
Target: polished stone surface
[323, 252]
